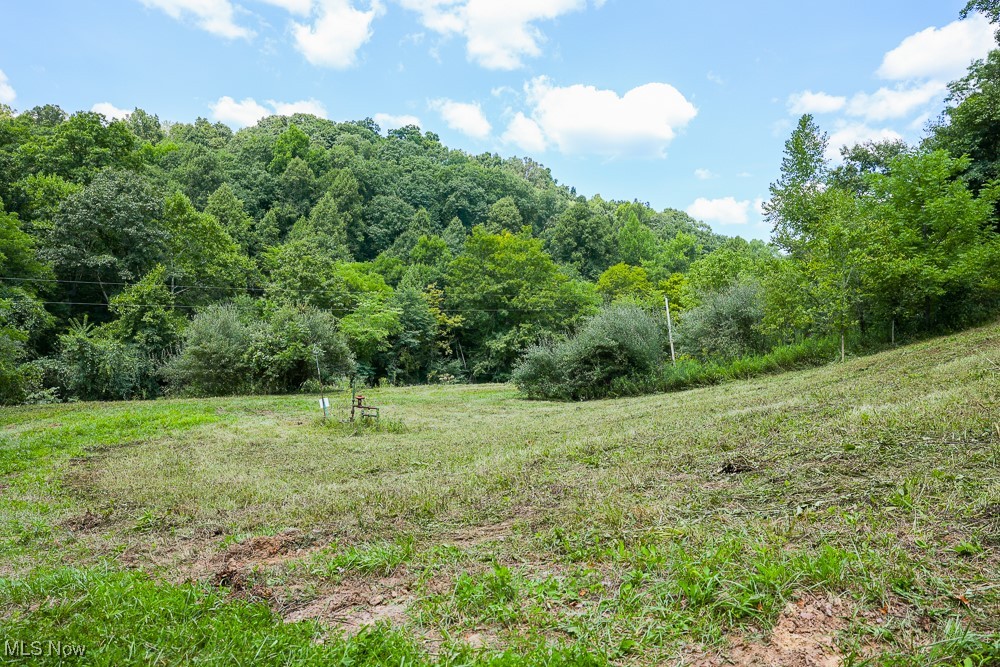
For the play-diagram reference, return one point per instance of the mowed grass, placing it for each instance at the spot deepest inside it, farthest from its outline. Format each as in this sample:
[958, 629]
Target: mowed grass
[476, 527]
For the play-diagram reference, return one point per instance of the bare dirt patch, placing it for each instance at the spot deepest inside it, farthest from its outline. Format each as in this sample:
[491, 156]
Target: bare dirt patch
[804, 636]
[86, 521]
[233, 566]
[479, 534]
[355, 604]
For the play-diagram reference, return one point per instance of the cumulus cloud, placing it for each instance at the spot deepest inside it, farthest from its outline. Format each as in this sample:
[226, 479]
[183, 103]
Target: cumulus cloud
[7, 93]
[726, 211]
[110, 111]
[703, 174]
[582, 119]
[499, 35]
[810, 102]
[311, 107]
[464, 117]
[525, 134]
[888, 103]
[214, 16]
[340, 30]
[852, 134]
[390, 122]
[940, 53]
[921, 66]
[249, 111]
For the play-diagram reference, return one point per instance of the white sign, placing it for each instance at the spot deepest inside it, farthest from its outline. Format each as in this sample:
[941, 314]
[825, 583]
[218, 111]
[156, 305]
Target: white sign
[324, 403]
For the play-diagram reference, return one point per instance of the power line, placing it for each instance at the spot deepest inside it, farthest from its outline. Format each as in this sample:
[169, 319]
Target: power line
[168, 306]
[244, 289]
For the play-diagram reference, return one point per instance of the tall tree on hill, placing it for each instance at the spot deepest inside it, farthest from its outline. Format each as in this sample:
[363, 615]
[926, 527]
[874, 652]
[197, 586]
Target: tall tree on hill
[791, 210]
[636, 242]
[107, 234]
[504, 216]
[202, 261]
[933, 252]
[228, 209]
[583, 239]
[970, 124]
[325, 228]
[511, 294]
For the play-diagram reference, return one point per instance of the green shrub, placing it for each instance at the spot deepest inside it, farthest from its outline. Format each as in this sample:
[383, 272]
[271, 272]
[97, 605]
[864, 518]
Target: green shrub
[281, 354]
[547, 371]
[212, 361]
[540, 373]
[726, 324]
[620, 346]
[13, 383]
[95, 367]
[227, 351]
[620, 342]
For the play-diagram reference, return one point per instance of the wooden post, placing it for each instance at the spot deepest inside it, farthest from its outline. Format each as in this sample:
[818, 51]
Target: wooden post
[319, 376]
[670, 332]
[842, 356]
[353, 402]
[894, 332]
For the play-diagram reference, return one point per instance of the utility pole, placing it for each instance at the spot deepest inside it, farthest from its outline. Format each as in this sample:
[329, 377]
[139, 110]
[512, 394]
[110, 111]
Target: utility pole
[670, 332]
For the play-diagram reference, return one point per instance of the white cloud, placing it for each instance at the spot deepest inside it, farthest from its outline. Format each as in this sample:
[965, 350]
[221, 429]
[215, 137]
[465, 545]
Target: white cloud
[311, 107]
[703, 174]
[249, 111]
[214, 16]
[583, 119]
[852, 134]
[110, 111]
[240, 114]
[390, 122]
[7, 93]
[466, 118]
[301, 7]
[499, 35]
[337, 34]
[525, 134]
[726, 211]
[920, 121]
[810, 102]
[888, 103]
[940, 53]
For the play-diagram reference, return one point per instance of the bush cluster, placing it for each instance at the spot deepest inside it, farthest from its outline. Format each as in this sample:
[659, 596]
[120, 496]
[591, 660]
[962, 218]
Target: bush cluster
[620, 353]
[227, 351]
[726, 324]
[621, 344]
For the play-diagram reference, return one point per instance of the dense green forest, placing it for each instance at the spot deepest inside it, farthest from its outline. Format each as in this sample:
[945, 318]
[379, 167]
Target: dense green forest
[139, 257]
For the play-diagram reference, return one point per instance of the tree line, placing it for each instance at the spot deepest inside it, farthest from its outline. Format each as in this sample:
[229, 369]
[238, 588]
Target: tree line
[139, 257]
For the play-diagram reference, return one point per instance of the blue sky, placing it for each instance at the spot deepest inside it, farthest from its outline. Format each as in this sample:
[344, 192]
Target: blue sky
[676, 103]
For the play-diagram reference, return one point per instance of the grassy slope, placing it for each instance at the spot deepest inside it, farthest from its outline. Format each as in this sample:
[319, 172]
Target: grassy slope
[483, 527]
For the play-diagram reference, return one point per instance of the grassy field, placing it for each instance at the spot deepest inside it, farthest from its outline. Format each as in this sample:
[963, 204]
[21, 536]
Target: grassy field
[844, 515]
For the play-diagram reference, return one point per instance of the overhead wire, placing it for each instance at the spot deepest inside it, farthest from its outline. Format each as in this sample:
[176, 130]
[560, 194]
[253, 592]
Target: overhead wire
[237, 291]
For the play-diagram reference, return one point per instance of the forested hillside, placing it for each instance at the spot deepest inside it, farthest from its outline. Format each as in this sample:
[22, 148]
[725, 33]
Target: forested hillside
[139, 257]
[428, 262]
